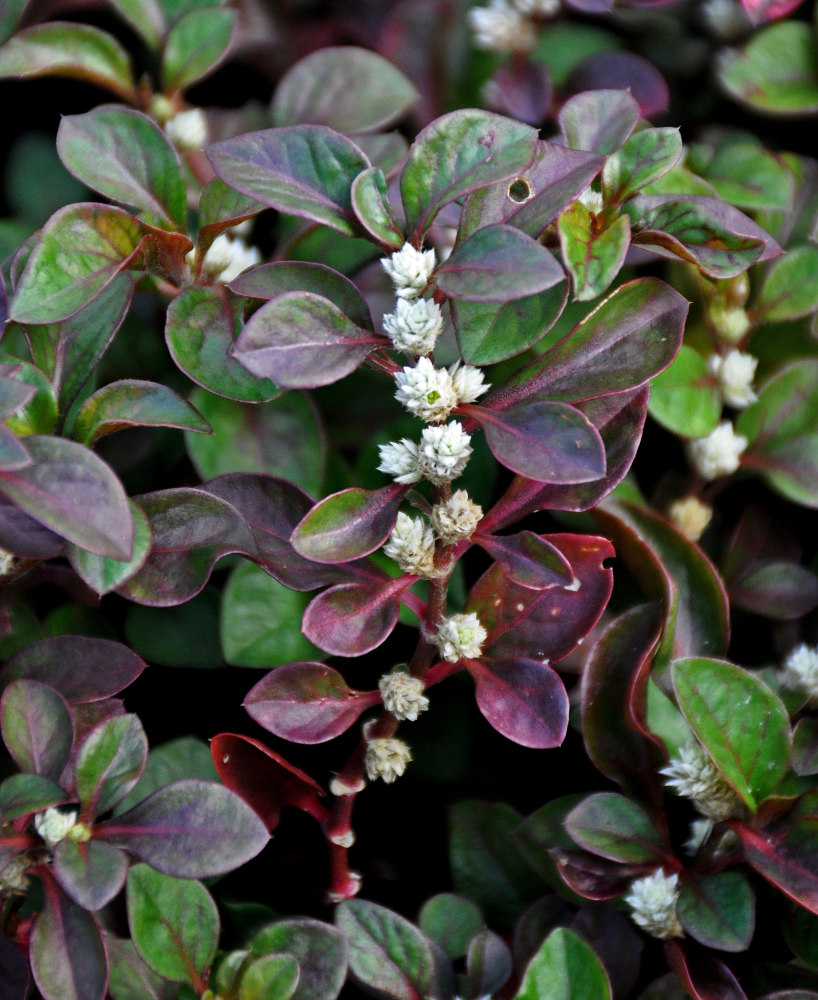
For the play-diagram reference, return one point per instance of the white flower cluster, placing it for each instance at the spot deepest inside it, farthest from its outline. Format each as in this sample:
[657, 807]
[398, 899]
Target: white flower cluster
[54, 825]
[460, 637]
[432, 393]
[592, 200]
[412, 546]
[441, 456]
[187, 130]
[386, 759]
[539, 8]
[800, 671]
[719, 453]
[7, 562]
[410, 270]
[652, 900]
[690, 516]
[735, 372]
[403, 696]
[693, 776]
[501, 27]
[416, 323]
[226, 258]
[13, 877]
[456, 518]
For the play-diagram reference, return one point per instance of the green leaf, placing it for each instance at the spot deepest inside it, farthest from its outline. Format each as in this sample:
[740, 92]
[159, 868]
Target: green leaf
[616, 828]
[260, 621]
[305, 170]
[685, 398]
[387, 954]
[747, 175]
[273, 977]
[370, 201]
[80, 251]
[39, 414]
[182, 757]
[104, 575]
[109, 763]
[10, 13]
[174, 924]
[757, 75]
[128, 976]
[92, 873]
[132, 403]
[348, 88]
[790, 288]
[564, 968]
[742, 724]
[451, 922]
[124, 155]
[67, 954]
[599, 120]
[592, 256]
[196, 45]
[320, 950]
[718, 910]
[645, 157]
[221, 207]
[67, 49]
[146, 17]
[496, 264]
[183, 636]
[21, 794]
[282, 438]
[457, 154]
[37, 727]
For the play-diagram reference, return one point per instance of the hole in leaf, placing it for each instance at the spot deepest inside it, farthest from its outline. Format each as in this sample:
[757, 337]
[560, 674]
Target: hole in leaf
[520, 190]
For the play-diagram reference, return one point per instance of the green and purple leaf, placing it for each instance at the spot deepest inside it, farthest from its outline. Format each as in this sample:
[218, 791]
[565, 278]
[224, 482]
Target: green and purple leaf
[789, 289]
[37, 727]
[351, 619]
[592, 254]
[90, 873]
[134, 403]
[129, 977]
[104, 575]
[598, 120]
[25, 793]
[109, 763]
[685, 398]
[616, 828]
[195, 46]
[702, 976]
[451, 922]
[527, 559]
[718, 910]
[488, 964]
[370, 200]
[320, 949]
[645, 156]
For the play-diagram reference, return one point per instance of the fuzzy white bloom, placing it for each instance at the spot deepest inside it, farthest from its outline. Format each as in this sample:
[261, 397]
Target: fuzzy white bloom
[426, 391]
[399, 459]
[700, 830]
[386, 758]
[456, 518]
[693, 776]
[800, 671]
[187, 130]
[54, 824]
[735, 372]
[444, 451]
[409, 270]
[414, 326]
[726, 19]
[719, 453]
[731, 323]
[403, 696]
[539, 8]
[13, 877]
[412, 546]
[690, 516]
[592, 200]
[468, 382]
[7, 562]
[501, 28]
[652, 900]
[226, 258]
[460, 637]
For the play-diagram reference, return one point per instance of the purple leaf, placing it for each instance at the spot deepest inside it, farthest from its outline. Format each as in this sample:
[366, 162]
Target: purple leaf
[134, 403]
[13, 454]
[591, 876]
[351, 619]
[264, 780]
[67, 953]
[625, 72]
[320, 949]
[523, 699]
[73, 492]
[488, 964]
[527, 559]
[547, 624]
[82, 668]
[91, 873]
[598, 120]
[543, 440]
[778, 589]
[189, 829]
[349, 524]
[302, 340]
[24, 536]
[521, 90]
[306, 703]
[702, 976]
[37, 727]
[14, 975]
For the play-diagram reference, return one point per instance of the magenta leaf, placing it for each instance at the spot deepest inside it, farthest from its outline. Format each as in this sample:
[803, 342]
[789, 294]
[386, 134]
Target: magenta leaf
[702, 976]
[788, 859]
[598, 120]
[190, 829]
[528, 559]
[351, 619]
[525, 700]
[306, 703]
[37, 727]
[496, 264]
[616, 828]
[91, 873]
[349, 524]
[546, 624]
[769, 10]
[543, 440]
[301, 340]
[67, 953]
[264, 780]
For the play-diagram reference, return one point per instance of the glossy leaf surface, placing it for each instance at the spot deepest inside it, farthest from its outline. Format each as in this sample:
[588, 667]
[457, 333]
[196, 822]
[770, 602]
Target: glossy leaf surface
[685, 398]
[718, 910]
[645, 156]
[348, 524]
[528, 559]
[599, 121]
[91, 873]
[37, 727]
[195, 45]
[592, 254]
[134, 403]
[351, 619]
[319, 948]
[109, 763]
[565, 968]
[616, 828]
[67, 953]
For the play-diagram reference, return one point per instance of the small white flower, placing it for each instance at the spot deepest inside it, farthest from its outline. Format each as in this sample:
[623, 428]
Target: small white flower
[455, 518]
[386, 758]
[719, 453]
[403, 696]
[468, 382]
[54, 824]
[414, 326]
[444, 451]
[13, 877]
[800, 672]
[735, 372]
[460, 637]
[409, 270]
[690, 516]
[652, 900]
[501, 28]
[539, 8]
[399, 459]
[7, 562]
[730, 323]
[592, 200]
[412, 546]
[693, 776]
[226, 258]
[700, 830]
[426, 391]
[187, 130]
